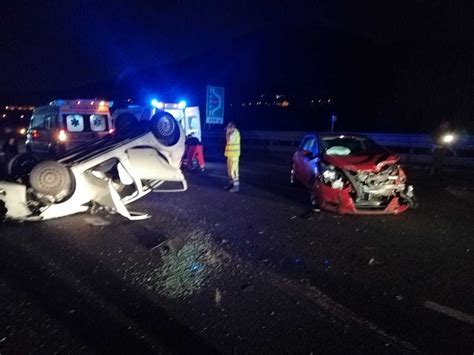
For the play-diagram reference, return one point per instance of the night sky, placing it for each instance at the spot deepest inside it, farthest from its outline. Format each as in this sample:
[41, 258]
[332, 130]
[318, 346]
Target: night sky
[62, 45]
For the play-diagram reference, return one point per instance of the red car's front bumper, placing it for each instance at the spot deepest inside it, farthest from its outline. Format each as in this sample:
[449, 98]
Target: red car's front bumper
[341, 201]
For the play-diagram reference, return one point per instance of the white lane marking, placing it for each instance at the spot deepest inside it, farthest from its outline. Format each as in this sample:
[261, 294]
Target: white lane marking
[453, 313]
[337, 310]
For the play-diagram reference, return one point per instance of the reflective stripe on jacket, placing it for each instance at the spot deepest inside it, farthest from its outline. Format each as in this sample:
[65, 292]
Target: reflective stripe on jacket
[232, 148]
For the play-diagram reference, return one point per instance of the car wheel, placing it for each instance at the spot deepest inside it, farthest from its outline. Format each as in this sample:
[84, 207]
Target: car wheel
[51, 178]
[20, 166]
[165, 128]
[125, 123]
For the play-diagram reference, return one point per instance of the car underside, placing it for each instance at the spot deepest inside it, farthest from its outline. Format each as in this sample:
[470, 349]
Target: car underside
[107, 174]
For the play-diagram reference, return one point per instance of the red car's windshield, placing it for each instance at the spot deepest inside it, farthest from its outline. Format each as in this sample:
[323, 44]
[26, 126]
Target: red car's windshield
[343, 146]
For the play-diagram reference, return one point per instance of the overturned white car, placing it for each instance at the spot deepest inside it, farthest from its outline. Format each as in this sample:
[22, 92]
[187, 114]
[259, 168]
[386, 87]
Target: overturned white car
[109, 173]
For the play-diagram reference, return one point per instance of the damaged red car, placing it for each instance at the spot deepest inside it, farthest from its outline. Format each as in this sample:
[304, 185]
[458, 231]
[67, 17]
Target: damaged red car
[351, 174]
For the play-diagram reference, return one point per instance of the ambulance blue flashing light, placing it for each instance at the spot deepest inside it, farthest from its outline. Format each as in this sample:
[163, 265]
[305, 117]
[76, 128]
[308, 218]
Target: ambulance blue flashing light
[182, 105]
[157, 104]
[56, 103]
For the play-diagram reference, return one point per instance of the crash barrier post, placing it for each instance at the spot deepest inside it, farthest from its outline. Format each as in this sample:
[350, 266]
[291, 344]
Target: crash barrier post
[412, 148]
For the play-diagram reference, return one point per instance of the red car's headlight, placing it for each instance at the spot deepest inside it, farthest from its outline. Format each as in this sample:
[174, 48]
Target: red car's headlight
[331, 176]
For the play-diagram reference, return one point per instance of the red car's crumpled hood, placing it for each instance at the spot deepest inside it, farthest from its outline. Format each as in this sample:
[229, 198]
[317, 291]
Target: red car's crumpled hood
[370, 163]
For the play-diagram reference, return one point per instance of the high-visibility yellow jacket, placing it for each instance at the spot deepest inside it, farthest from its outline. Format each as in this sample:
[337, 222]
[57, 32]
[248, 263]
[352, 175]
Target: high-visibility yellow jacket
[232, 148]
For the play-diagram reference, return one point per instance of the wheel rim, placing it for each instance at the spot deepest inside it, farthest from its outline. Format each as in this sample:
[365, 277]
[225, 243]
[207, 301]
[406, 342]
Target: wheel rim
[52, 179]
[165, 126]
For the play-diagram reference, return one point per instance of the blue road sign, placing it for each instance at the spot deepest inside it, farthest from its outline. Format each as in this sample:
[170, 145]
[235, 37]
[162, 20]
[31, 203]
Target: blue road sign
[215, 105]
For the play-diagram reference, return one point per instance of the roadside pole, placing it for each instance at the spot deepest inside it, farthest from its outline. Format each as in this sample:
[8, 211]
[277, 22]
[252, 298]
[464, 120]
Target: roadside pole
[333, 120]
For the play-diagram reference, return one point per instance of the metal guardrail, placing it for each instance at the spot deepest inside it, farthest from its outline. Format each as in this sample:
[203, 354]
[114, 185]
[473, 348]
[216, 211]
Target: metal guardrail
[413, 148]
[293, 138]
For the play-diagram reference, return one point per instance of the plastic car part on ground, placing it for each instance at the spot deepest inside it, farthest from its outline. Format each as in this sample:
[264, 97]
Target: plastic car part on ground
[111, 173]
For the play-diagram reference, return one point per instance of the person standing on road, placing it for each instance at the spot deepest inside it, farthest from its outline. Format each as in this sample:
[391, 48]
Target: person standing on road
[10, 147]
[232, 153]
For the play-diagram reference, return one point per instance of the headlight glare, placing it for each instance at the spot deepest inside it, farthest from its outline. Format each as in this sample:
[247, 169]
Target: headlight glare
[329, 175]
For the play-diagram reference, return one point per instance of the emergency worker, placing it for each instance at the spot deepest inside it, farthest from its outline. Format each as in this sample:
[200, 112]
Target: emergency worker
[232, 153]
[194, 150]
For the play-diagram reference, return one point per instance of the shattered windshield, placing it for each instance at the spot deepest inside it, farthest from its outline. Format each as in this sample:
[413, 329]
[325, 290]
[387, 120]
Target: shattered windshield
[342, 146]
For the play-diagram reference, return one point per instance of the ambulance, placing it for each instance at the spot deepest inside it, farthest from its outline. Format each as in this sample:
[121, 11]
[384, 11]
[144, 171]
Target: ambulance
[65, 124]
[188, 117]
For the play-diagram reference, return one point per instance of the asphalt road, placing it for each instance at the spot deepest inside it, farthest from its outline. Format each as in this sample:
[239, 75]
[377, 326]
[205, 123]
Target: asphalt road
[255, 273]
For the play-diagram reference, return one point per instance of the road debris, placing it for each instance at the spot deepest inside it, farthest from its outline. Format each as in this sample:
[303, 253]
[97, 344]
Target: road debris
[308, 215]
[186, 271]
[373, 262]
[169, 246]
[218, 297]
[97, 221]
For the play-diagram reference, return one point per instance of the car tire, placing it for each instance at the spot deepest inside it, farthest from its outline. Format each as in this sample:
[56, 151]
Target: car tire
[20, 166]
[165, 128]
[125, 123]
[51, 178]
